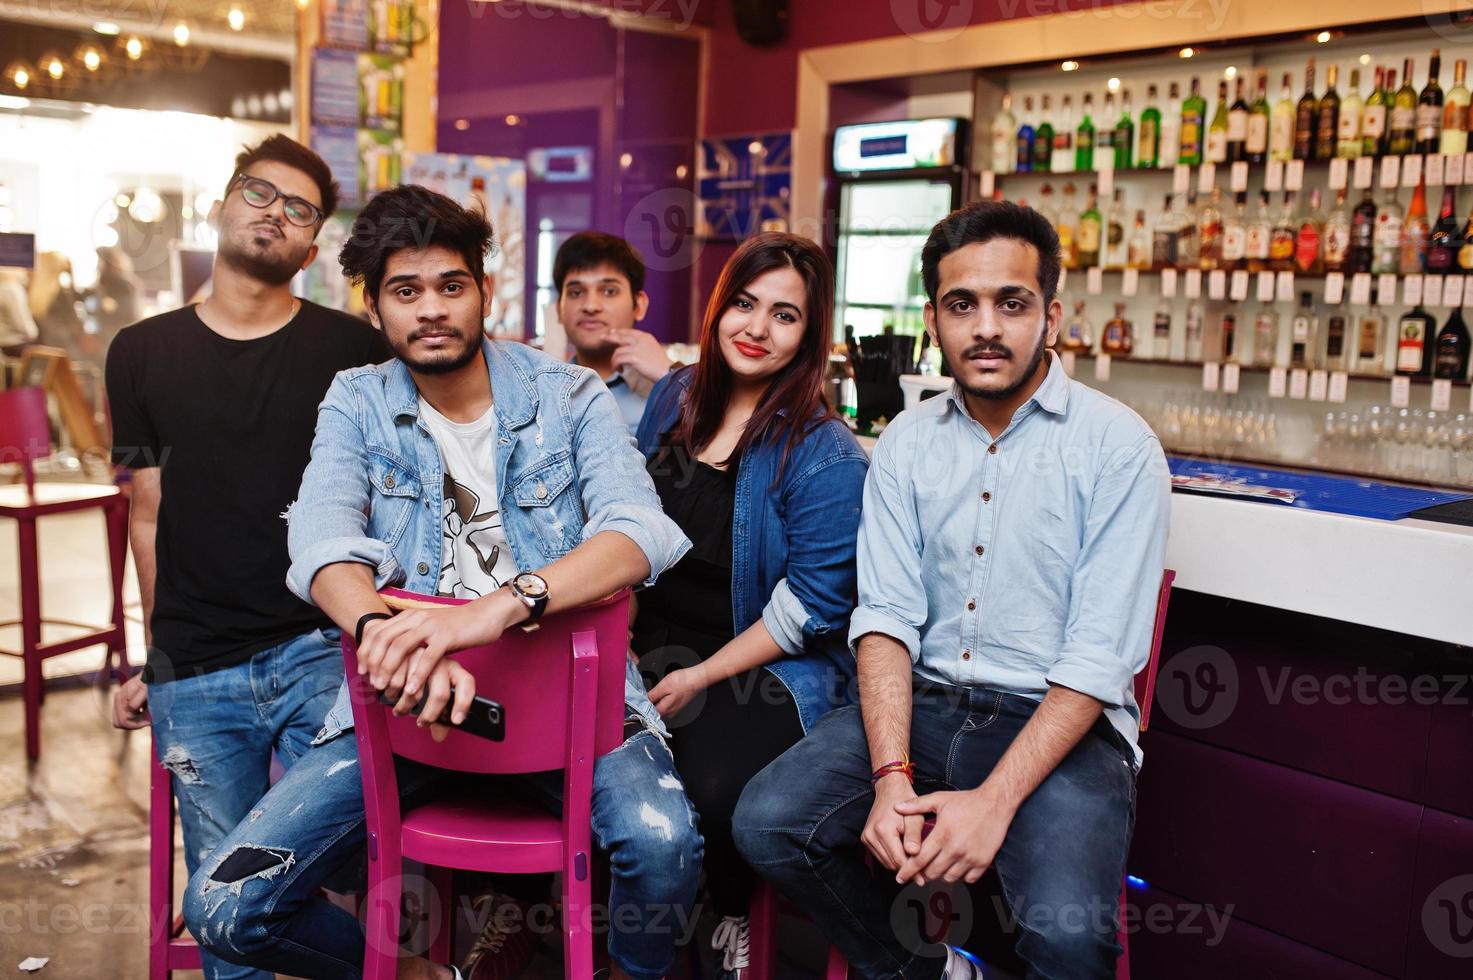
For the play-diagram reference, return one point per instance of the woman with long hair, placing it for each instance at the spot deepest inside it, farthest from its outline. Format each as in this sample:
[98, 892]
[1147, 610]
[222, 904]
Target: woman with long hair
[745, 640]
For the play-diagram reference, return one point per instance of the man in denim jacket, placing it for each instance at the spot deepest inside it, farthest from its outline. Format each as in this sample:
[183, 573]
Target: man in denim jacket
[468, 468]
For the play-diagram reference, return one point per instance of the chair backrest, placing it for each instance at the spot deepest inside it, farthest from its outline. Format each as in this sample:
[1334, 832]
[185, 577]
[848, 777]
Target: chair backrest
[1145, 681]
[25, 428]
[531, 676]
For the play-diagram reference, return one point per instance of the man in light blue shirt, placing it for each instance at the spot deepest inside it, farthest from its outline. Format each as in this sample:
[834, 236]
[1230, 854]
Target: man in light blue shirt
[1010, 554]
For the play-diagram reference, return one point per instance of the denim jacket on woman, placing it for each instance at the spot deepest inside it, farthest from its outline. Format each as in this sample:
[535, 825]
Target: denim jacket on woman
[793, 547]
[565, 468]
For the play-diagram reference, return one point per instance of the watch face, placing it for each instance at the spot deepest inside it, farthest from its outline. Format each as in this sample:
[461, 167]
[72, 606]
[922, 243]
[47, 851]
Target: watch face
[531, 586]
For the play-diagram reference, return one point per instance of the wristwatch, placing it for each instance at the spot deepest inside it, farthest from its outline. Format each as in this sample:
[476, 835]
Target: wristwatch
[530, 589]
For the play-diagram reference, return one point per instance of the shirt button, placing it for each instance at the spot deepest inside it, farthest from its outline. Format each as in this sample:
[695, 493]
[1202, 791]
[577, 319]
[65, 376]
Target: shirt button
[540, 493]
[992, 449]
[986, 496]
[389, 481]
[966, 655]
[980, 549]
[971, 605]
[422, 568]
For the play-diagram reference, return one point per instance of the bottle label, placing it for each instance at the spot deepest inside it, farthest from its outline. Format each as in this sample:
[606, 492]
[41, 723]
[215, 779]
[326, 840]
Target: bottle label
[1368, 334]
[1283, 132]
[1336, 244]
[1233, 243]
[1148, 143]
[1465, 257]
[1403, 119]
[1063, 141]
[1448, 362]
[1255, 244]
[1257, 133]
[1455, 116]
[1439, 258]
[1409, 344]
[1191, 136]
[1163, 326]
[1373, 121]
[1089, 236]
[1217, 146]
[1335, 340]
[1328, 127]
[1301, 330]
[1348, 127]
[1163, 248]
[1429, 122]
[1237, 128]
[1281, 245]
[1388, 230]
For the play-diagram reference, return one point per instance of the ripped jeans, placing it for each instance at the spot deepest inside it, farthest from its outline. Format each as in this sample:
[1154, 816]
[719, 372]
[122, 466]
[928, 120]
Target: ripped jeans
[216, 732]
[255, 900]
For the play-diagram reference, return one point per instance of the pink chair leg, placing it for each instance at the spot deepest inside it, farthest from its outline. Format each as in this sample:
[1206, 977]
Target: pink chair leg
[577, 932]
[381, 928]
[30, 615]
[1122, 965]
[763, 915]
[837, 968]
[442, 880]
[117, 552]
[160, 870]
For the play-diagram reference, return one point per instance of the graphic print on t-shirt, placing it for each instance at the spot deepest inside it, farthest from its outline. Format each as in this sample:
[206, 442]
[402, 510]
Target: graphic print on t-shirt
[475, 545]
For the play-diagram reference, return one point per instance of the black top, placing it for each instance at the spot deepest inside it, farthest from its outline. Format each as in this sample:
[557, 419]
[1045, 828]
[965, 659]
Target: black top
[690, 605]
[231, 423]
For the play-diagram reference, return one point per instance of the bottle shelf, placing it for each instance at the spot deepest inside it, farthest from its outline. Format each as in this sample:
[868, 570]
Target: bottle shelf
[1196, 366]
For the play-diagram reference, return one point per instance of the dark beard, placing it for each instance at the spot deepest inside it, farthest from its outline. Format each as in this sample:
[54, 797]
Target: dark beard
[272, 272]
[1003, 394]
[401, 351]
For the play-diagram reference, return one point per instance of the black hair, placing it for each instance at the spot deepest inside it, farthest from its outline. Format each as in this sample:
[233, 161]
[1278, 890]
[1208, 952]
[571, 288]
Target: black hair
[412, 217]
[593, 248]
[983, 221]
[284, 149]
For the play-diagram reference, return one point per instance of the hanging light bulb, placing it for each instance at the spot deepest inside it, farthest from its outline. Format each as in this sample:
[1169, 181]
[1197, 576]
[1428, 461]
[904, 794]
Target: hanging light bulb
[133, 48]
[181, 34]
[236, 17]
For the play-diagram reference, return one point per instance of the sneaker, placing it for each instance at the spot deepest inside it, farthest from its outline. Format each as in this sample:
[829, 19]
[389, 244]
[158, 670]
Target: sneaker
[961, 965]
[732, 939]
[506, 945]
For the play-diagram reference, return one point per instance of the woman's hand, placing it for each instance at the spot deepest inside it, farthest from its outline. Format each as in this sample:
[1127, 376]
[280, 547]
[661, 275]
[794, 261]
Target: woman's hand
[677, 690]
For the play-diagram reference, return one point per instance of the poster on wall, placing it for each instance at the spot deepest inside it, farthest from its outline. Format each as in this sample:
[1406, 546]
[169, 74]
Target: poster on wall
[334, 87]
[744, 184]
[498, 188]
[391, 26]
[345, 24]
[338, 145]
[381, 93]
[380, 162]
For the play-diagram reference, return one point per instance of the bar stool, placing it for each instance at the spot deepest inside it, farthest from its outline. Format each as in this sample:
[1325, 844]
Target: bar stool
[25, 436]
[764, 905]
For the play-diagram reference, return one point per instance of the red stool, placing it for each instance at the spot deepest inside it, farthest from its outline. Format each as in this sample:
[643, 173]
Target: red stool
[764, 899]
[170, 946]
[25, 435]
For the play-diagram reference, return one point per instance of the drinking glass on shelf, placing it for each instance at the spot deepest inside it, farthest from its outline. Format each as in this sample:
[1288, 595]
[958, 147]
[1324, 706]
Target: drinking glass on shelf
[1460, 448]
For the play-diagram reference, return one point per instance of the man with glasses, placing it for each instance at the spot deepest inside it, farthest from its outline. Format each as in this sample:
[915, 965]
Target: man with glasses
[214, 407]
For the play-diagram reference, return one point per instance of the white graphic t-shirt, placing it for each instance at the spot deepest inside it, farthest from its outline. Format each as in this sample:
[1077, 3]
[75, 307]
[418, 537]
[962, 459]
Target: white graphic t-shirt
[476, 557]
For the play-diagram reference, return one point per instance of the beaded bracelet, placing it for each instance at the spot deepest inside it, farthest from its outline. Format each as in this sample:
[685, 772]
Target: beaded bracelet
[904, 766]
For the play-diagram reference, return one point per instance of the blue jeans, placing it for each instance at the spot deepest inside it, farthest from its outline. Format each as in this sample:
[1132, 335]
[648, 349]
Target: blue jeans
[255, 900]
[1061, 863]
[216, 732]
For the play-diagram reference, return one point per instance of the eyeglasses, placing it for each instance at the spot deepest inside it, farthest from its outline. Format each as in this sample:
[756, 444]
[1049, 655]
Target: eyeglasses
[260, 193]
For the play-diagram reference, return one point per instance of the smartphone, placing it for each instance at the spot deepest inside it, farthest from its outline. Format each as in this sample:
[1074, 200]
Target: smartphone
[485, 719]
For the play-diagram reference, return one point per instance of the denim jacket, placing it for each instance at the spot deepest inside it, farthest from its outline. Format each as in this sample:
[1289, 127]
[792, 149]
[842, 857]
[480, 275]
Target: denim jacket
[793, 548]
[565, 465]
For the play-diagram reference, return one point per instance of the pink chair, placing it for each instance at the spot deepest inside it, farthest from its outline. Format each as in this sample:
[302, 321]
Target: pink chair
[764, 899]
[25, 435]
[170, 946]
[561, 688]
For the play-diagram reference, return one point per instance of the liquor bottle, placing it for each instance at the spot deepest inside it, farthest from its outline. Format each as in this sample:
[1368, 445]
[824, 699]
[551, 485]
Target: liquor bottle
[1429, 108]
[1124, 135]
[1302, 331]
[1138, 244]
[1105, 131]
[1237, 125]
[1281, 125]
[1235, 234]
[1115, 218]
[1194, 331]
[1328, 116]
[1265, 336]
[1387, 252]
[1256, 239]
[1368, 339]
[1045, 205]
[1450, 357]
[1078, 335]
[1025, 138]
[1217, 132]
[1414, 342]
[1170, 142]
[1067, 228]
[1043, 140]
[1193, 125]
[1442, 244]
[1209, 232]
[1336, 248]
[1373, 117]
[1258, 117]
[1116, 339]
[1062, 160]
[1414, 234]
[1148, 143]
[1455, 112]
[1335, 339]
[1165, 234]
[1307, 259]
[1088, 239]
[1186, 241]
[1305, 117]
[1359, 257]
[1281, 238]
[1004, 138]
[1464, 258]
[1348, 144]
[1227, 333]
[1402, 137]
[1161, 331]
[1084, 138]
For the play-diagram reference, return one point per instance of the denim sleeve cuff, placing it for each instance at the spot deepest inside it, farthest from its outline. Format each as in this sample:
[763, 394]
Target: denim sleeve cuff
[1092, 673]
[365, 551]
[655, 534]
[868, 619]
[785, 618]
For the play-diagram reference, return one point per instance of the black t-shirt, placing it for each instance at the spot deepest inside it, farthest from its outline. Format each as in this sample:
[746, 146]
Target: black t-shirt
[230, 423]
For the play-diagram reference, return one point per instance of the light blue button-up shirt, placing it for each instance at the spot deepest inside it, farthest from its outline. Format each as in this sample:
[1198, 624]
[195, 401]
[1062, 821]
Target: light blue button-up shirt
[1020, 562]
